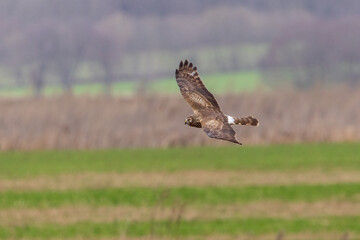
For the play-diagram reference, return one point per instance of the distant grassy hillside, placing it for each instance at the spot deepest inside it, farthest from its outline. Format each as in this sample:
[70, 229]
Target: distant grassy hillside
[216, 83]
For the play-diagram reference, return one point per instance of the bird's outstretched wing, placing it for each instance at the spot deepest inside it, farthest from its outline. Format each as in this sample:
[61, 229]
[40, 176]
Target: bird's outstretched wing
[192, 88]
[203, 103]
[223, 132]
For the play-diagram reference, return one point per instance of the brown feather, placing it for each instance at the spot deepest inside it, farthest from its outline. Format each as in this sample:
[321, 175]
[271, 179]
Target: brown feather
[248, 121]
[190, 84]
[224, 133]
[207, 111]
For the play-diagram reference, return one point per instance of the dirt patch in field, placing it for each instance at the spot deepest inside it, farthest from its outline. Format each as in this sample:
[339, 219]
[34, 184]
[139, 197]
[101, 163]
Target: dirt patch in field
[285, 236]
[72, 214]
[177, 179]
[274, 236]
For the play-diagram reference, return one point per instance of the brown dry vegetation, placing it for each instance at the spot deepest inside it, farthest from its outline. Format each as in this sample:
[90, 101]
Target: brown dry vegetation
[158, 121]
[275, 209]
[179, 179]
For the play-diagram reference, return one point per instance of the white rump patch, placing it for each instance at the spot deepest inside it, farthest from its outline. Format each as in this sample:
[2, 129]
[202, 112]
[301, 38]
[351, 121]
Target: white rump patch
[231, 120]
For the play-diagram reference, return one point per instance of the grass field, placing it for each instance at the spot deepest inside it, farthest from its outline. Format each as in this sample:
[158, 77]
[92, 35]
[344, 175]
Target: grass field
[298, 191]
[218, 83]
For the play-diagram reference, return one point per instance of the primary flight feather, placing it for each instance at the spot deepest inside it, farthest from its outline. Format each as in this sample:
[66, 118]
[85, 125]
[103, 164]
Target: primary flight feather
[207, 113]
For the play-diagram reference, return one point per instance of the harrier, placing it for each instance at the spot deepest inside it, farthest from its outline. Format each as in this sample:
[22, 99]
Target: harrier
[207, 113]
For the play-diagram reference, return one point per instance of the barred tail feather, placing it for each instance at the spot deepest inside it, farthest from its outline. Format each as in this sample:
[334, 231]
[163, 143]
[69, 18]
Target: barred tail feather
[248, 121]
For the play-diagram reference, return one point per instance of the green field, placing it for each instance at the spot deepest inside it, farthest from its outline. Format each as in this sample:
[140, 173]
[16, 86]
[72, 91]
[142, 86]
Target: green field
[298, 191]
[217, 83]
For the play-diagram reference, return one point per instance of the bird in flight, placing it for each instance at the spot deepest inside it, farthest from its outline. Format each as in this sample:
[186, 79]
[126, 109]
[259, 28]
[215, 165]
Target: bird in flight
[207, 113]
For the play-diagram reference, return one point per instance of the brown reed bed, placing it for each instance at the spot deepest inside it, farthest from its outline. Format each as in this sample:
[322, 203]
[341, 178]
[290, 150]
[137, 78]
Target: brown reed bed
[85, 122]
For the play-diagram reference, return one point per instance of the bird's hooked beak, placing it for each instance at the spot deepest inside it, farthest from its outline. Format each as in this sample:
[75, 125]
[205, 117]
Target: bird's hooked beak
[186, 121]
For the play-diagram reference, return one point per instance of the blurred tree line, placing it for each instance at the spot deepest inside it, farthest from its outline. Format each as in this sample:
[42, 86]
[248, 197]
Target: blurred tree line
[66, 42]
[315, 52]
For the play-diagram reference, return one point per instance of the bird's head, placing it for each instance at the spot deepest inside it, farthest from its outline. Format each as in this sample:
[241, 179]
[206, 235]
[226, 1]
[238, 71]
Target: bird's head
[189, 120]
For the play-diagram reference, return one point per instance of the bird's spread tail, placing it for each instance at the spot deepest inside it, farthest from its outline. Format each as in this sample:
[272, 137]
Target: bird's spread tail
[248, 121]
